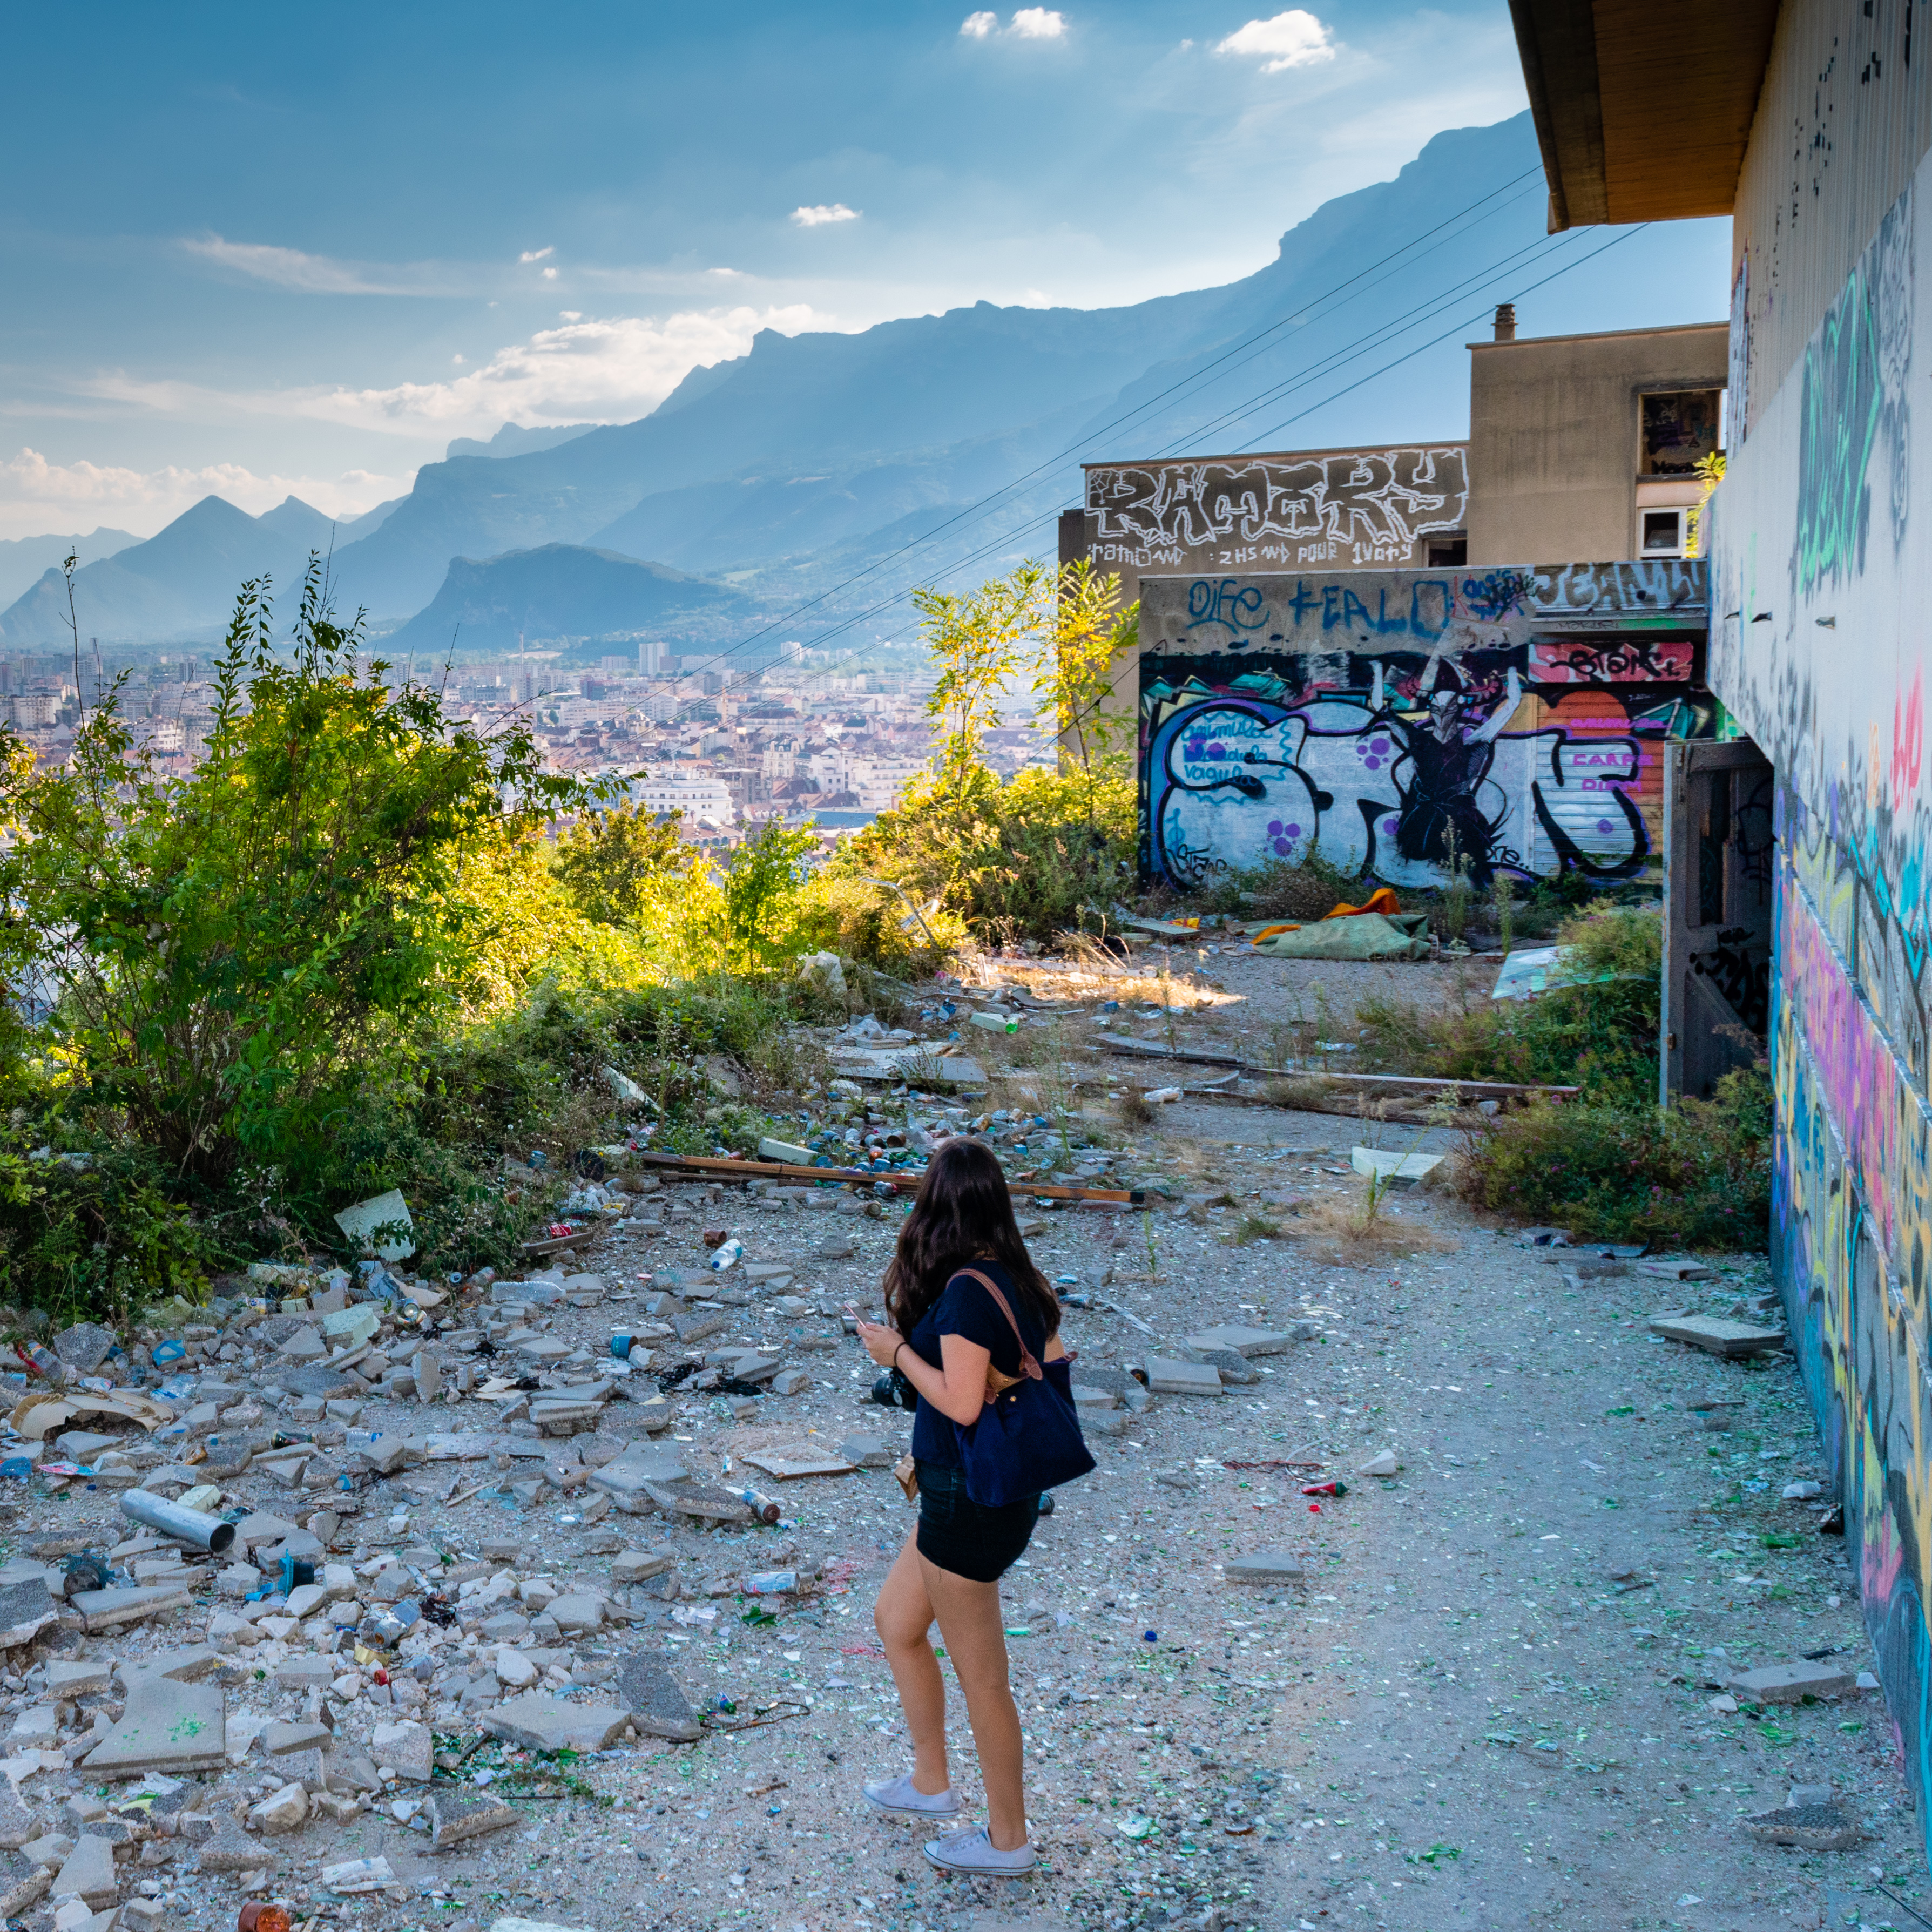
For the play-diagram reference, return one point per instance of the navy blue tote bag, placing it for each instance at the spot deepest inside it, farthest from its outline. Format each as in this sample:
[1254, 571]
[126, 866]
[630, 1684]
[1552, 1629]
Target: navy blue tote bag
[1027, 1437]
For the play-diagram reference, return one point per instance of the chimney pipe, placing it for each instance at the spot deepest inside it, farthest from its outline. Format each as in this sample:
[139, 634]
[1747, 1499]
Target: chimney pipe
[1505, 322]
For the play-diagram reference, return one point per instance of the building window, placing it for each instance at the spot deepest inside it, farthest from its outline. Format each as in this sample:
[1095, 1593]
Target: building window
[1663, 533]
[1681, 427]
[1449, 552]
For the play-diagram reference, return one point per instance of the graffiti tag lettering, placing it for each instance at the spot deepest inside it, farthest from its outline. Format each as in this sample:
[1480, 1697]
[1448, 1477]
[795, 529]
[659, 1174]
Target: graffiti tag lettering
[1362, 506]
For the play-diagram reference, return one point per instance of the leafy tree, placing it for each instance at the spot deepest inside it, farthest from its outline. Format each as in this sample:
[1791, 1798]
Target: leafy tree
[1086, 634]
[979, 639]
[762, 905]
[616, 864]
[219, 953]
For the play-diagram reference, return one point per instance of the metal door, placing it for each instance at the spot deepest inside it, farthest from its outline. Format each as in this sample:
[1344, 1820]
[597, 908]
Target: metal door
[1717, 911]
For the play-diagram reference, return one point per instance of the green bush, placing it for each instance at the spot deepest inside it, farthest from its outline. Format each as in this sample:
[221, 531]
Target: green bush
[1599, 1034]
[1012, 859]
[1697, 1174]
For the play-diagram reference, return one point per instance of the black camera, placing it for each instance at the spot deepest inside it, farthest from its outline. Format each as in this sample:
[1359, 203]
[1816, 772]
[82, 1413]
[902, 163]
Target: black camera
[892, 1390]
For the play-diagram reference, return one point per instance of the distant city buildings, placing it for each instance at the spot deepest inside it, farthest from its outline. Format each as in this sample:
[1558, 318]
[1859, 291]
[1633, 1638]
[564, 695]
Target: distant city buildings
[820, 736]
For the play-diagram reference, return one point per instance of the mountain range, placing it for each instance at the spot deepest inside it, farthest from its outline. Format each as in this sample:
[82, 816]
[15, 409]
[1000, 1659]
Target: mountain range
[815, 458]
[25, 560]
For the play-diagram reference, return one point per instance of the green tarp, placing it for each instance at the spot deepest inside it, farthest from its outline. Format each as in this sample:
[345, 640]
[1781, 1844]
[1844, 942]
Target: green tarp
[1366, 935]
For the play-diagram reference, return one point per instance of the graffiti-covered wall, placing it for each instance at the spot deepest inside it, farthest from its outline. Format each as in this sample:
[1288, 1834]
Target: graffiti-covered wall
[1818, 644]
[1334, 509]
[1402, 723]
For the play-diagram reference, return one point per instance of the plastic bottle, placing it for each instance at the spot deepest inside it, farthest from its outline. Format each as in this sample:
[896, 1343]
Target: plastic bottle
[726, 1254]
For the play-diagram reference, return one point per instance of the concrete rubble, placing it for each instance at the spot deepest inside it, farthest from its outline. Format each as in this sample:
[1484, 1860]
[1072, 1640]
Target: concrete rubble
[505, 1638]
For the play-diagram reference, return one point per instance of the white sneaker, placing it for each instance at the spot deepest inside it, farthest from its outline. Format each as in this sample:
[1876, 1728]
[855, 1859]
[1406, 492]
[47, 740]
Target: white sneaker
[897, 1795]
[974, 1851]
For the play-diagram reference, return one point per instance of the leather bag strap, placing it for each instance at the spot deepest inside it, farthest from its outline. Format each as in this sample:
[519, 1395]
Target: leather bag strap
[1028, 1365]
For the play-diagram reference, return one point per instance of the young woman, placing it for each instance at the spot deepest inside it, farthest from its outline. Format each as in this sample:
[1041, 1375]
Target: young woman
[945, 1330]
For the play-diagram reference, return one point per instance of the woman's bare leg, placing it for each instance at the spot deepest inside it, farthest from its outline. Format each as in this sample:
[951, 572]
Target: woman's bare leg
[975, 1635]
[903, 1616]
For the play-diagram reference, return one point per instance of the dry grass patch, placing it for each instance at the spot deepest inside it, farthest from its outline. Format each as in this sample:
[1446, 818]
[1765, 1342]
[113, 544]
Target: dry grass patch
[1361, 1228]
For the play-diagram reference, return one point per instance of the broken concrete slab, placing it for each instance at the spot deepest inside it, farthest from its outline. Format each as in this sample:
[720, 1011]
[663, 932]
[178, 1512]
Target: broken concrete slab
[108, 1609]
[389, 1211]
[85, 1346]
[281, 1739]
[283, 1810]
[88, 1874]
[1792, 1683]
[26, 1609]
[407, 1748]
[1243, 1340]
[707, 1501]
[230, 1848]
[1265, 1566]
[657, 1706]
[1717, 1336]
[165, 1726]
[1384, 1463]
[1812, 1827]
[1393, 1169]
[639, 1566]
[1166, 1376]
[454, 1820]
[869, 1452]
[548, 1723]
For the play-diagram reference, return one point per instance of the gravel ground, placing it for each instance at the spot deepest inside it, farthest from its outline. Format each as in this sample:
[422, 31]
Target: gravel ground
[1489, 1704]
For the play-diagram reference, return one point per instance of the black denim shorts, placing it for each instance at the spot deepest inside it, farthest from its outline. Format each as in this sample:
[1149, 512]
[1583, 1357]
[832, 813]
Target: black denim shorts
[959, 1535]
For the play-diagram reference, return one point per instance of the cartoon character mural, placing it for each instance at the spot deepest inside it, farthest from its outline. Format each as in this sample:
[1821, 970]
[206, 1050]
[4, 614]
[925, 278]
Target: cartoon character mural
[1439, 730]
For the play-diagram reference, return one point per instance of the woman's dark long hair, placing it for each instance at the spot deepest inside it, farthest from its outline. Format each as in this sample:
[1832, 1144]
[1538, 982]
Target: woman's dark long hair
[962, 1213]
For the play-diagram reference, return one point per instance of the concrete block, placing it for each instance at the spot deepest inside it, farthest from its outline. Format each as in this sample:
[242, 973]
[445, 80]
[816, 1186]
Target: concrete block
[283, 1810]
[1792, 1683]
[109, 1609]
[1716, 1336]
[1168, 1377]
[1265, 1566]
[868, 1452]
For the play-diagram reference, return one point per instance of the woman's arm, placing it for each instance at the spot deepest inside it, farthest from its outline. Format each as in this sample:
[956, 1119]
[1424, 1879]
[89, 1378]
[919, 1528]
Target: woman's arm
[957, 1389]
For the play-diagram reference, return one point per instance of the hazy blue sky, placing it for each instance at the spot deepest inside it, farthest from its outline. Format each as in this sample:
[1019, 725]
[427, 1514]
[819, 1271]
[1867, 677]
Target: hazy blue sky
[253, 252]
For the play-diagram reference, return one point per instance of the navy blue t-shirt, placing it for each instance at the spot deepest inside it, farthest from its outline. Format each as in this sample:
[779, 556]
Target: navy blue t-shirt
[966, 1309]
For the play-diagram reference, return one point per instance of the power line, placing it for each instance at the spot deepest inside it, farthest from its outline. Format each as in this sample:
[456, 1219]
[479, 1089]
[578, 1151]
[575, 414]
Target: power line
[1469, 321]
[1336, 358]
[1305, 310]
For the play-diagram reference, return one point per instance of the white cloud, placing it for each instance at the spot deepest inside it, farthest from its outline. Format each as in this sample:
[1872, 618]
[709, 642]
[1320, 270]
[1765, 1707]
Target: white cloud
[1295, 38]
[550, 275]
[314, 274]
[1029, 23]
[826, 212]
[37, 495]
[605, 369]
[536, 254]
